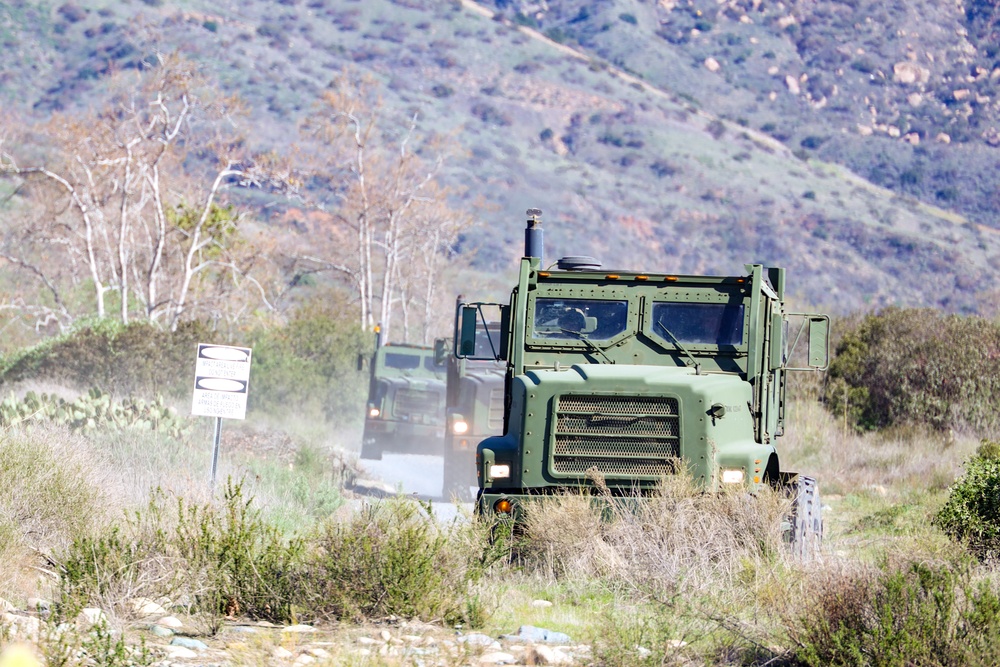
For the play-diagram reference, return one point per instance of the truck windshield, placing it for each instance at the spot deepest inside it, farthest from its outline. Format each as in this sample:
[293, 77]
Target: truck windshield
[402, 361]
[700, 323]
[565, 318]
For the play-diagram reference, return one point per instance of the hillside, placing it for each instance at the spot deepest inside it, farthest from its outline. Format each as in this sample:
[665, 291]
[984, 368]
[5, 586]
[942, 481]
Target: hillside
[609, 119]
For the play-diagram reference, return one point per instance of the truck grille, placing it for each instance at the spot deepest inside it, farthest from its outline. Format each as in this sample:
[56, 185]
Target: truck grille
[494, 421]
[418, 406]
[618, 436]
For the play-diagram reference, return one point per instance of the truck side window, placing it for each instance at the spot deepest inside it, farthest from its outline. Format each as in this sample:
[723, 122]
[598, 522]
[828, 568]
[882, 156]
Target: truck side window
[597, 319]
[700, 323]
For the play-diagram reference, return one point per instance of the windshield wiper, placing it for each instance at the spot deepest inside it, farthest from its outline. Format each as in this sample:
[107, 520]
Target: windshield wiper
[589, 343]
[697, 366]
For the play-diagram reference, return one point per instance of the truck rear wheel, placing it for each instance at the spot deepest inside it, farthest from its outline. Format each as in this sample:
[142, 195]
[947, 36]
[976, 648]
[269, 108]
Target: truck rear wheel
[805, 532]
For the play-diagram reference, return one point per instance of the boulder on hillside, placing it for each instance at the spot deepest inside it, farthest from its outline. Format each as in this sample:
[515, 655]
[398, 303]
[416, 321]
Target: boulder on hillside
[907, 72]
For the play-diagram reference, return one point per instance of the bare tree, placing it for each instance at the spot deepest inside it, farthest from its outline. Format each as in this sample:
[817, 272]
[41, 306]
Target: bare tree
[117, 204]
[381, 194]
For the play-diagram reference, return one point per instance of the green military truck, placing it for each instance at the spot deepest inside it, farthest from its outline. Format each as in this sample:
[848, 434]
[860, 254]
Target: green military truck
[405, 409]
[632, 376]
[474, 409]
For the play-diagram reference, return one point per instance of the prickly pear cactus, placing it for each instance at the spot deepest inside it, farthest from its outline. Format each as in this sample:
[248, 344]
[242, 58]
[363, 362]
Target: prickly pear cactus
[94, 411]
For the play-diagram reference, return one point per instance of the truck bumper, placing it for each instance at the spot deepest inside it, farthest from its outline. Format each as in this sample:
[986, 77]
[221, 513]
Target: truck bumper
[401, 438]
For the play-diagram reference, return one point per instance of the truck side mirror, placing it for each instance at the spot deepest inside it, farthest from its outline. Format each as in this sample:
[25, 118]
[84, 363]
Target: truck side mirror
[468, 319]
[819, 342]
[361, 362]
[441, 351]
[480, 336]
[779, 342]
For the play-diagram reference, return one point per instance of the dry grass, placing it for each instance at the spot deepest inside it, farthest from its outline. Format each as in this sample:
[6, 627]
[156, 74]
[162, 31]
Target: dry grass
[891, 462]
[51, 490]
[680, 541]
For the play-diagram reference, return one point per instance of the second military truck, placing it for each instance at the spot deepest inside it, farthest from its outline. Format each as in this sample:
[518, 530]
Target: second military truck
[474, 410]
[628, 376]
[405, 409]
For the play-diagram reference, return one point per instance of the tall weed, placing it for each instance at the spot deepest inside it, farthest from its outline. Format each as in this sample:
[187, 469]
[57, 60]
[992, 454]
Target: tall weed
[224, 560]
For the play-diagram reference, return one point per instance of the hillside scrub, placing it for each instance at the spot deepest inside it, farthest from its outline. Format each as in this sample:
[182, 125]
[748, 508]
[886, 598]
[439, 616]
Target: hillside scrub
[686, 576]
[136, 359]
[309, 363]
[917, 366]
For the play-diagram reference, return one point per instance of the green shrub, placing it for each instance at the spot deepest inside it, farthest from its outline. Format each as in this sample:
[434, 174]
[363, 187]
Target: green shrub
[917, 366]
[971, 514]
[395, 558]
[224, 559]
[628, 640]
[918, 615]
[65, 645]
[308, 366]
[390, 559]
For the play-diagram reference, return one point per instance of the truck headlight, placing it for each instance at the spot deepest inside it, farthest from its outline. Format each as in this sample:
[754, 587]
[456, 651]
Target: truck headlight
[374, 412]
[732, 476]
[459, 427]
[499, 471]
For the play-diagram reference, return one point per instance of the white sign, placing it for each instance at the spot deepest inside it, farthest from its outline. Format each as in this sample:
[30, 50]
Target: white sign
[221, 379]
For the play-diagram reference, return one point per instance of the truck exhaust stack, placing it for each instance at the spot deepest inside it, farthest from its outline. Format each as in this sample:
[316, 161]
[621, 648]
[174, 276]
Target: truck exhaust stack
[534, 245]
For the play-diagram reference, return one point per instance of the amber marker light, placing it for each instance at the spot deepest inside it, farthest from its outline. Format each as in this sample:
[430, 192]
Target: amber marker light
[670, 279]
[612, 276]
[503, 506]
[544, 274]
[642, 277]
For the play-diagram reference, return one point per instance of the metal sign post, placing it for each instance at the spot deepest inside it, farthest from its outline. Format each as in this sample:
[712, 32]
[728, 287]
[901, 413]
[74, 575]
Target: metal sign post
[221, 381]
